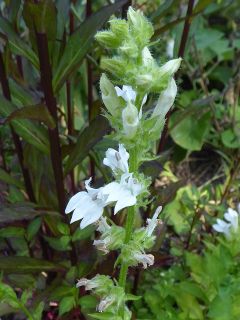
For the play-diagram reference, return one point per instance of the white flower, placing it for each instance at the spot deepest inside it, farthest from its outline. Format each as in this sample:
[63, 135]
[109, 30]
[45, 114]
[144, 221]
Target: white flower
[145, 259]
[232, 217]
[130, 119]
[171, 66]
[109, 96]
[117, 160]
[105, 303]
[127, 93]
[87, 205]
[165, 100]
[99, 283]
[222, 227]
[103, 226]
[152, 223]
[124, 193]
[102, 244]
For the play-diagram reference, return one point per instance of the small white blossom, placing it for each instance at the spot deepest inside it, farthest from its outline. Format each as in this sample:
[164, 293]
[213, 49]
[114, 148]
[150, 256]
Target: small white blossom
[130, 119]
[145, 259]
[165, 100]
[127, 93]
[231, 216]
[109, 96]
[222, 227]
[117, 160]
[152, 223]
[102, 225]
[87, 205]
[124, 193]
[102, 244]
[105, 303]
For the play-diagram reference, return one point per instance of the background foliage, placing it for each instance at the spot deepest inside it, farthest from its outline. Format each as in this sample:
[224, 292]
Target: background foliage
[51, 139]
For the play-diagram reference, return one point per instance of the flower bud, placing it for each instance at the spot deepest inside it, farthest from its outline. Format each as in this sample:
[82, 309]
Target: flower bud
[120, 28]
[141, 29]
[147, 58]
[130, 120]
[115, 66]
[170, 67]
[165, 100]
[144, 80]
[109, 96]
[108, 39]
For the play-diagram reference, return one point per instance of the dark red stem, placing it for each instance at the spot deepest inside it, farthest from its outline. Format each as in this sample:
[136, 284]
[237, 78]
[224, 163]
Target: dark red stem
[55, 149]
[90, 90]
[16, 139]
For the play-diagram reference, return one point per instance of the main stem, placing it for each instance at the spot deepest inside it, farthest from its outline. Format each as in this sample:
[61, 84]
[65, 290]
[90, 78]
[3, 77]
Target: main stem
[129, 222]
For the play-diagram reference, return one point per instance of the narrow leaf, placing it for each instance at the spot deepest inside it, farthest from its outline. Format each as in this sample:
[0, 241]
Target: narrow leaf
[27, 265]
[29, 131]
[6, 177]
[38, 112]
[87, 139]
[79, 43]
[17, 45]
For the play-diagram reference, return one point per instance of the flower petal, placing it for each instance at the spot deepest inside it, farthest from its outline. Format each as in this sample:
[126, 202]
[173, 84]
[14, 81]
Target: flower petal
[75, 200]
[91, 216]
[126, 199]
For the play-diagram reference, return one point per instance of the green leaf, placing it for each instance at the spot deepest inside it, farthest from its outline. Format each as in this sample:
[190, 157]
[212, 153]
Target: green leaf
[191, 131]
[29, 131]
[66, 304]
[105, 316]
[6, 177]
[79, 43]
[230, 139]
[38, 112]
[86, 141]
[8, 295]
[27, 265]
[60, 244]
[33, 228]
[81, 234]
[12, 232]
[17, 45]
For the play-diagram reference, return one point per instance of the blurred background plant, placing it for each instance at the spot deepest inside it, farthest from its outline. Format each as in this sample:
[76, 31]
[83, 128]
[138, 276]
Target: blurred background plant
[51, 139]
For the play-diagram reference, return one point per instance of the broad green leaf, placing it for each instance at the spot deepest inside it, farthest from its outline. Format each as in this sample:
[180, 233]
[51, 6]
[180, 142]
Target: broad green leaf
[17, 45]
[6, 177]
[29, 131]
[8, 295]
[191, 131]
[230, 139]
[66, 304]
[81, 234]
[79, 43]
[86, 141]
[27, 265]
[38, 112]
[60, 244]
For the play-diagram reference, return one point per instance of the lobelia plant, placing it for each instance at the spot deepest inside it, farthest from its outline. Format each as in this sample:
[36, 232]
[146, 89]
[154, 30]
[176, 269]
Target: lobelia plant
[134, 75]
